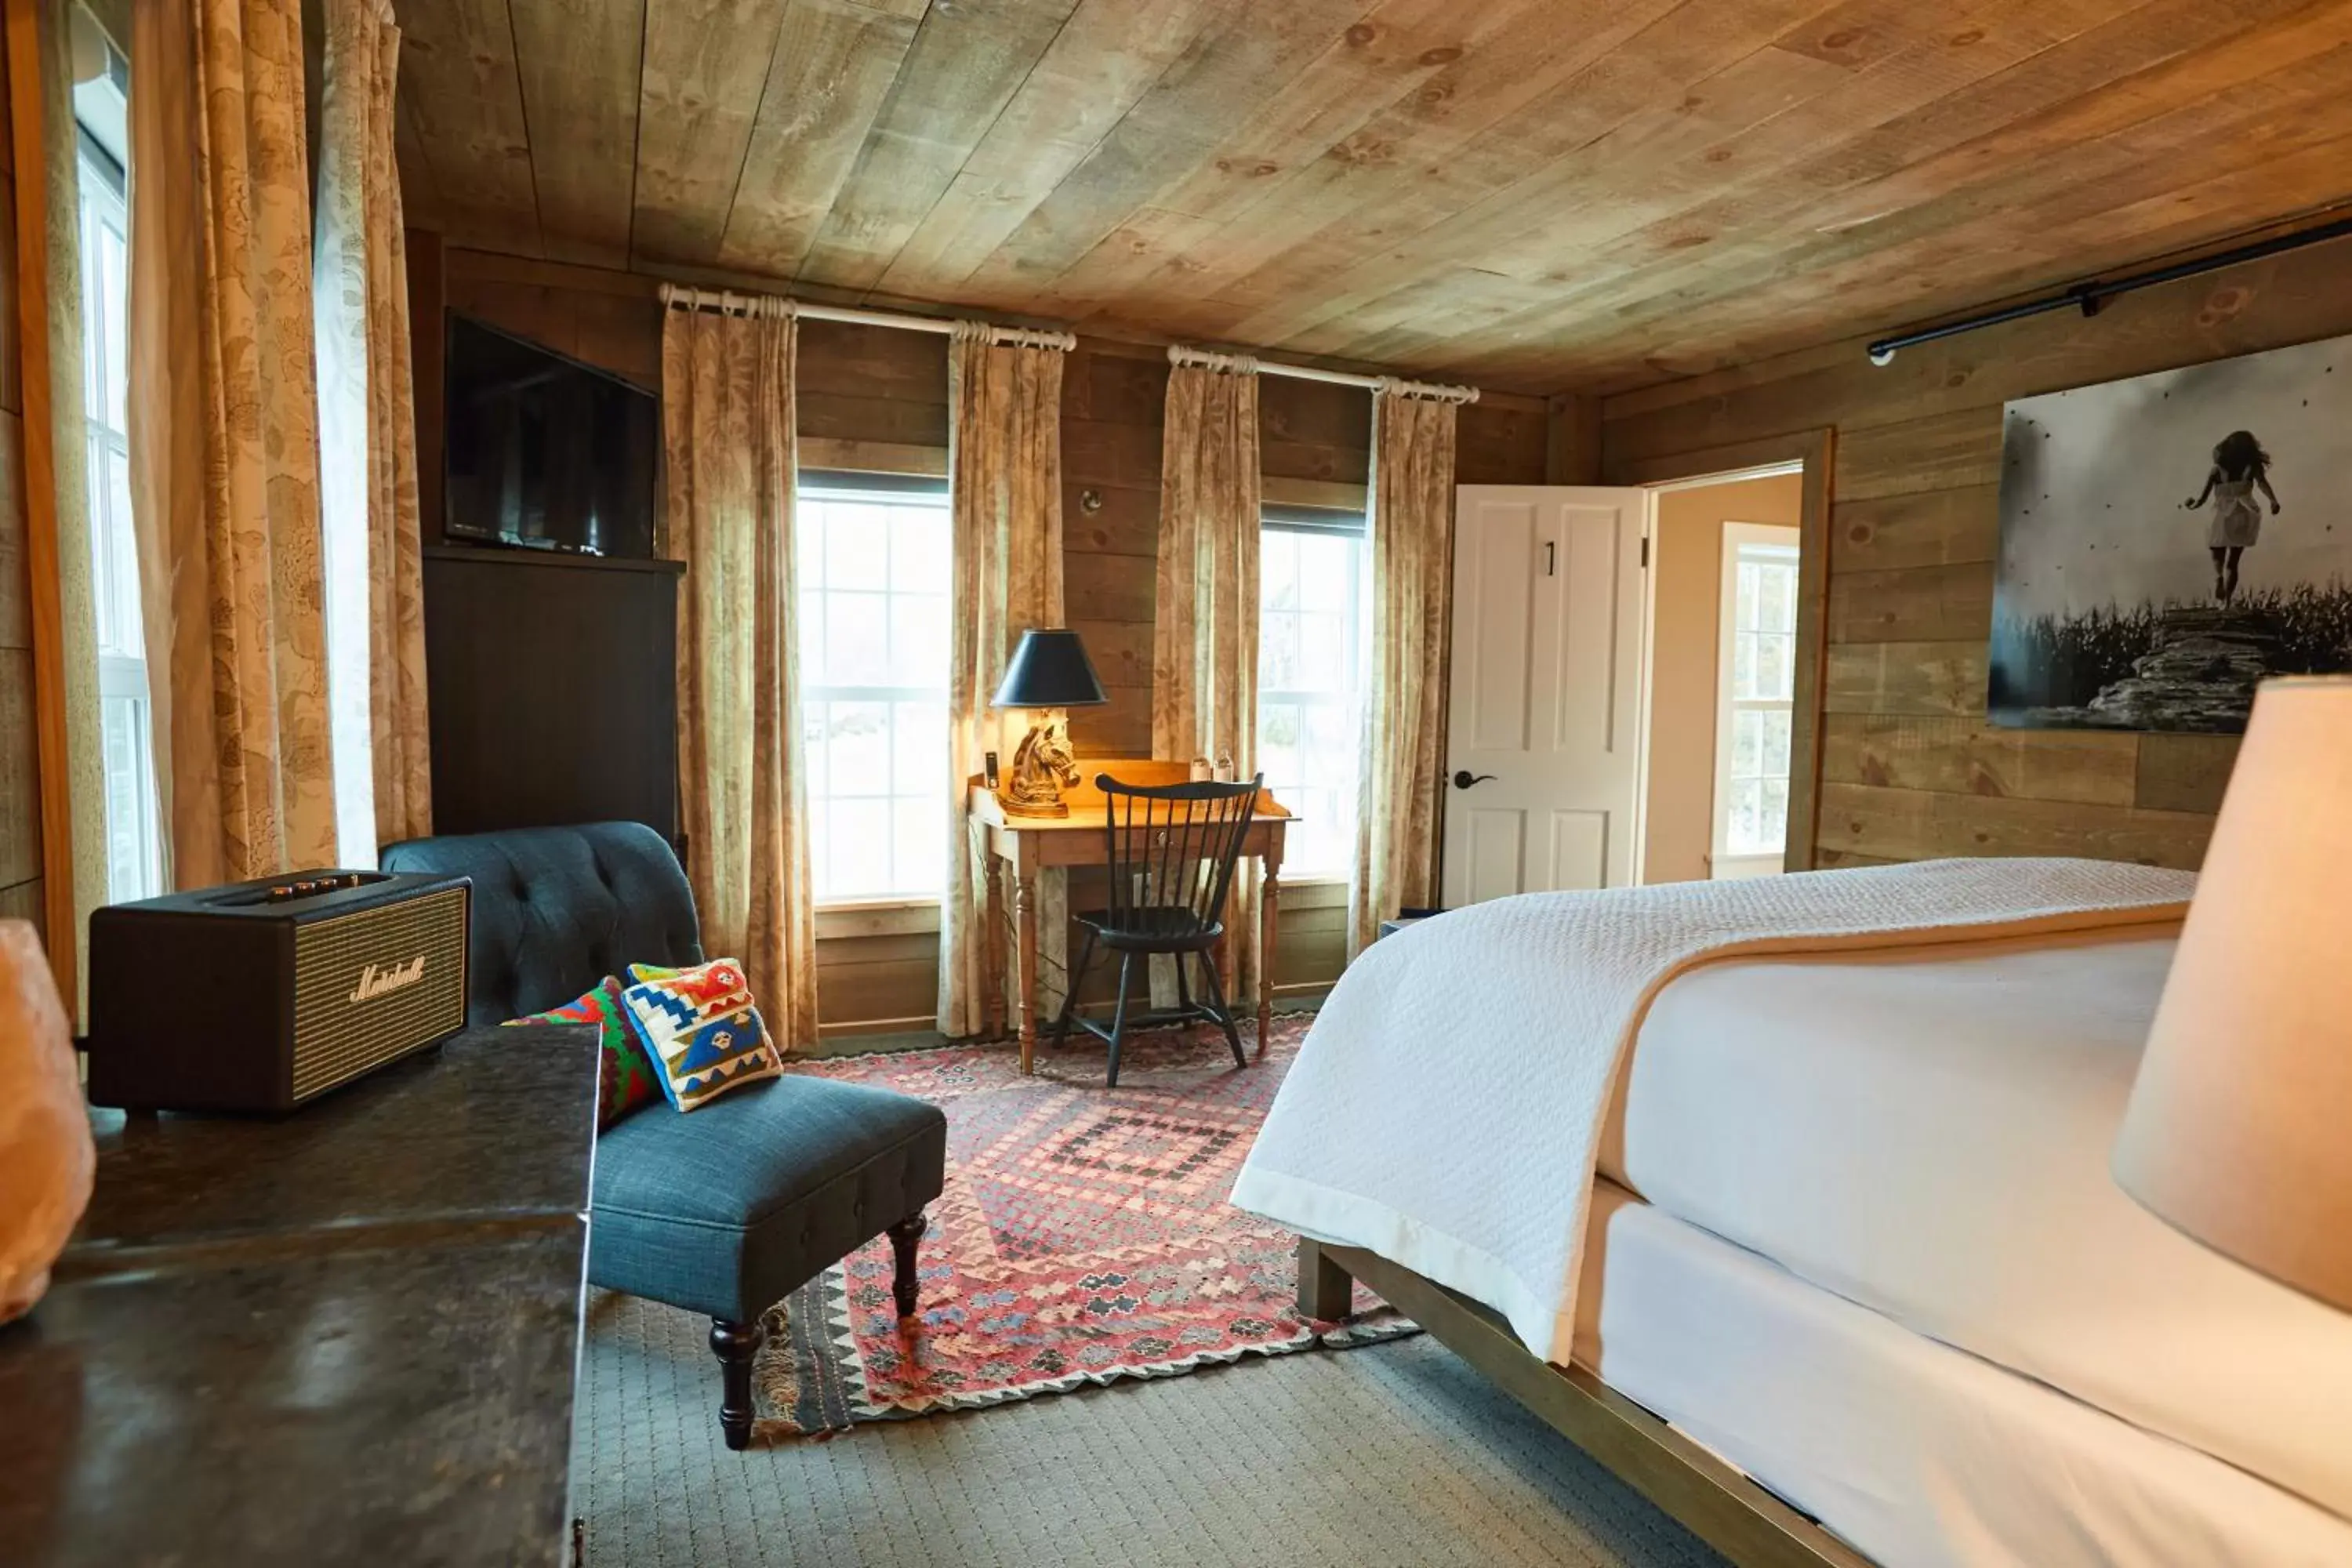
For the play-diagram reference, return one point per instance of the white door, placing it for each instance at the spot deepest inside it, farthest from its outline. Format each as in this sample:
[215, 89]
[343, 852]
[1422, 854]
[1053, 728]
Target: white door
[1543, 734]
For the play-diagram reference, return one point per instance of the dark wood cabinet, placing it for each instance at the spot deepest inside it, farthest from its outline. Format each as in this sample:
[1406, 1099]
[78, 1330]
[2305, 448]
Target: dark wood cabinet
[348, 1335]
[553, 686]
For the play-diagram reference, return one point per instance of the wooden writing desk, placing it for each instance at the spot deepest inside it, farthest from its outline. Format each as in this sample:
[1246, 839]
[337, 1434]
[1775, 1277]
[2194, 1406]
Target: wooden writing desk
[1028, 845]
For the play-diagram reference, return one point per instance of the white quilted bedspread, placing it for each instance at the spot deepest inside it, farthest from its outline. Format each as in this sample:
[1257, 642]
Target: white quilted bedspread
[1446, 1110]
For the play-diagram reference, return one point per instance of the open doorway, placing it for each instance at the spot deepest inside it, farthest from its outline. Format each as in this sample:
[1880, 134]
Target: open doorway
[1720, 669]
[1572, 759]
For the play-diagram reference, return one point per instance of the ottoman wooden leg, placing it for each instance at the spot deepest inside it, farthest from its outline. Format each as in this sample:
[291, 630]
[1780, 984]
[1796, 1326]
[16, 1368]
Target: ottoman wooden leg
[904, 1236]
[735, 1344]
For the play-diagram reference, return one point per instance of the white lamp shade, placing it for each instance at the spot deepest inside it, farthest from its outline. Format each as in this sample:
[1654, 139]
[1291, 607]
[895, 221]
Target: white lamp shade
[2239, 1126]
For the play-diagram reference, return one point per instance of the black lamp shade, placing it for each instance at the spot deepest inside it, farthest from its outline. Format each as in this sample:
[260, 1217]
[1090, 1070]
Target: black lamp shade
[1050, 670]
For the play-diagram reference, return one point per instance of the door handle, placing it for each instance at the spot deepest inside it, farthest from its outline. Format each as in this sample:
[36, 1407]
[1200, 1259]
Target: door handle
[1463, 778]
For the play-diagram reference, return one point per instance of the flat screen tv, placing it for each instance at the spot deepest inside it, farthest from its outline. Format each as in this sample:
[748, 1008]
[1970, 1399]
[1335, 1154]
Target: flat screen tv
[543, 451]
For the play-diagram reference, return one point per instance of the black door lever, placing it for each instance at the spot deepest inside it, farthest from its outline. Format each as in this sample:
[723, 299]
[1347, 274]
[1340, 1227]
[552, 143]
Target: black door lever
[1463, 778]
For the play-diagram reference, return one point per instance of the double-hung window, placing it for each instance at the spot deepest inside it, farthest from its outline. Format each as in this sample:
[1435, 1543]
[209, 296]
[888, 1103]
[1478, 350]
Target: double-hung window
[1756, 675]
[1311, 569]
[133, 842]
[872, 559]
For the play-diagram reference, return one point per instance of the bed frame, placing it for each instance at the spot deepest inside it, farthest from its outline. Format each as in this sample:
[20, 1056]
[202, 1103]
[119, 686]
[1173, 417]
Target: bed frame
[1714, 1501]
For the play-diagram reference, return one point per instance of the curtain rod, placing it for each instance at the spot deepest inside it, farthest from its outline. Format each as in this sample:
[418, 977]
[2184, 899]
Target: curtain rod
[727, 302]
[2089, 296]
[1210, 359]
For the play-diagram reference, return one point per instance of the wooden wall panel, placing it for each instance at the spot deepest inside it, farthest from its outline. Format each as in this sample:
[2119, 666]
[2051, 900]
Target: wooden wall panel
[861, 388]
[1909, 767]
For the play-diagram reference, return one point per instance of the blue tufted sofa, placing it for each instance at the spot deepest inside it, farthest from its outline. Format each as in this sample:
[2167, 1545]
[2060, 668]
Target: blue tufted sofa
[725, 1211]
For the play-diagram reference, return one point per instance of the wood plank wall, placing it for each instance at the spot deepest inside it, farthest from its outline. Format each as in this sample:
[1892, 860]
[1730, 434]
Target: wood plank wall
[21, 888]
[875, 386]
[1910, 769]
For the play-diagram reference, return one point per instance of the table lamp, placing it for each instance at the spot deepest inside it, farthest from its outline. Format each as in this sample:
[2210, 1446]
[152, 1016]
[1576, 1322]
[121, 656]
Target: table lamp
[2237, 1128]
[1050, 670]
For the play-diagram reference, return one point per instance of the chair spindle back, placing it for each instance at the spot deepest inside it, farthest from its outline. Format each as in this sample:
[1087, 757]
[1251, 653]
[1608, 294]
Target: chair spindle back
[1171, 847]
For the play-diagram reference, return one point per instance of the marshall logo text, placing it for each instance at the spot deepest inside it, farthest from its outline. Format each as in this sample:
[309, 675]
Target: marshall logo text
[374, 982]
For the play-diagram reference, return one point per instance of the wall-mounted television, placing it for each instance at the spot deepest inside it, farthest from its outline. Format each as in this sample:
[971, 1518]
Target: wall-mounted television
[541, 451]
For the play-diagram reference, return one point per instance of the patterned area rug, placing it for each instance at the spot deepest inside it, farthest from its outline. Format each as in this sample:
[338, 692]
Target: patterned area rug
[1083, 1237]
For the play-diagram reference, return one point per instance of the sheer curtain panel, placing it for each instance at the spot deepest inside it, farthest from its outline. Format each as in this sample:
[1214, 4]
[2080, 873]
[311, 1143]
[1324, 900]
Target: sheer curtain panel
[1404, 698]
[731, 454]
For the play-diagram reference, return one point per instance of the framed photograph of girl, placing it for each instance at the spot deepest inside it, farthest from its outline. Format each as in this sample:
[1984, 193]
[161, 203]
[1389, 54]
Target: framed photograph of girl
[2169, 541]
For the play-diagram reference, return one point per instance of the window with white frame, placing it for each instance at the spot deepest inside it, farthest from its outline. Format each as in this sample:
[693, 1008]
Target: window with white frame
[133, 841]
[872, 559]
[1755, 678]
[1311, 568]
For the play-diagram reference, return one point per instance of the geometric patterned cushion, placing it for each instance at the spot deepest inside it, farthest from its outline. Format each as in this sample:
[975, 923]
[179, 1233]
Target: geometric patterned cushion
[625, 1081]
[700, 1029]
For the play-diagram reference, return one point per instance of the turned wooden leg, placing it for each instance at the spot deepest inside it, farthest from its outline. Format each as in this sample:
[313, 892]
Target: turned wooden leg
[995, 966]
[1325, 1290]
[735, 1344]
[905, 1237]
[1269, 911]
[1024, 962]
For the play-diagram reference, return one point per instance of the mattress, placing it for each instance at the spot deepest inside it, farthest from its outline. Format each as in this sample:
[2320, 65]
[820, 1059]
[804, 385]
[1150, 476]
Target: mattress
[1927, 1133]
[1918, 1455]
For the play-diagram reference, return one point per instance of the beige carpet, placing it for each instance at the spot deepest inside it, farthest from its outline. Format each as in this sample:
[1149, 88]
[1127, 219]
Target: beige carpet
[1394, 1456]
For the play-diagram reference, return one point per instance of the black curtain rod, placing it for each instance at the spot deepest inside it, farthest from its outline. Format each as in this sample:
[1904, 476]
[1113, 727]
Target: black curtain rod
[2089, 296]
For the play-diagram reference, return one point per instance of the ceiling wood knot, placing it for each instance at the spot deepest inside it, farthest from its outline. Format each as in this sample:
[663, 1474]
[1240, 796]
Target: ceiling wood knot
[1443, 56]
[2224, 303]
[1362, 33]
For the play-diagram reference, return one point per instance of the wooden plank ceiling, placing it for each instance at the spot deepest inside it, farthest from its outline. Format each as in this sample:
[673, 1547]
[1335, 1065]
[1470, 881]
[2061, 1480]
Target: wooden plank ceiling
[1540, 195]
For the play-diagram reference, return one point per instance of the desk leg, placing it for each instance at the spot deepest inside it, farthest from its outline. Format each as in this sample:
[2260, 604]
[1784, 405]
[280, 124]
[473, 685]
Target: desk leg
[1024, 961]
[992, 967]
[1269, 912]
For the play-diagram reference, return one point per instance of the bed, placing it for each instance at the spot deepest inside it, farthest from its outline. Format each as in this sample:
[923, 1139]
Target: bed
[1854, 1286]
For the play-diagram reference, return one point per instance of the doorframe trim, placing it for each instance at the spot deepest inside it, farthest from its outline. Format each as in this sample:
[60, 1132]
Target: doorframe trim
[1816, 450]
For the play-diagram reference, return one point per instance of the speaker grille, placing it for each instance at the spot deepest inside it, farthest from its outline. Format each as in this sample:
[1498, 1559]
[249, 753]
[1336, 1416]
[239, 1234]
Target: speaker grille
[337, 1037]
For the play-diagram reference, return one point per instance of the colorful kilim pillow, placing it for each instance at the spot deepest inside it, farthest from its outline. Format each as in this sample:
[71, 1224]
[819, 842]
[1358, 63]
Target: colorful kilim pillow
[700, 1029]
[627, 1080]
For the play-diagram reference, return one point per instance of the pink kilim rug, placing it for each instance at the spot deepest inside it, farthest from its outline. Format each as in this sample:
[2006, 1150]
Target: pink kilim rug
[1083, 1237]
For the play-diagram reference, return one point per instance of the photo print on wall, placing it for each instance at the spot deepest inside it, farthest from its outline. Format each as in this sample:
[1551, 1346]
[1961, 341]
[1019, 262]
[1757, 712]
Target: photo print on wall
[2169, 541]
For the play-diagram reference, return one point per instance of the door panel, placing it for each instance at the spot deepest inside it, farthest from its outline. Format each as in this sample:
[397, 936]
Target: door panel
[1546, 640]
[1499, 611]
[1586, 677]
[1496, 850]
[1579, 849]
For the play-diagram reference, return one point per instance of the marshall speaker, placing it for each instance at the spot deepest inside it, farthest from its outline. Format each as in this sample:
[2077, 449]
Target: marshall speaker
[261, 995]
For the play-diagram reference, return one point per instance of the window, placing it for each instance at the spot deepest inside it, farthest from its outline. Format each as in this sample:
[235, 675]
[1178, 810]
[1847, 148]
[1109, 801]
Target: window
[1310, 682]
[133, 844]
[873, 569]
[1756, 675]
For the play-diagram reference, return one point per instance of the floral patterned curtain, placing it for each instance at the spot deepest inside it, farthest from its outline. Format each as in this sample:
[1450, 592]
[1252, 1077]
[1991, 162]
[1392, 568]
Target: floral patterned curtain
[1205, 608]
[368, 432]
[225, 441]
[1404, 693]
[732, 456]
[1005, 484]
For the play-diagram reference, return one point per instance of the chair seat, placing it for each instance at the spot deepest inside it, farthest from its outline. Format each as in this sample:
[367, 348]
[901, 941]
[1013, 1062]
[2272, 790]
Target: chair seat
[727, 1210]
[1154, 930]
